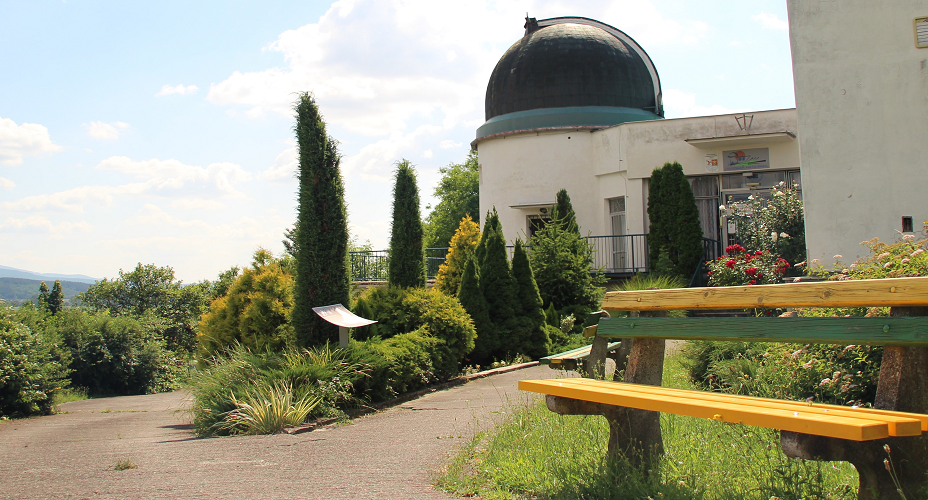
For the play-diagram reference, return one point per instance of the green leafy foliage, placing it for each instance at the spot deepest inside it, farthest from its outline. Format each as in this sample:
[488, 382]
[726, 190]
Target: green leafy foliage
[775, 225]
[675, 226]
[561, 262]
[458, 197]
[427, 312]
[56, 298]
[407, 262]
[462, 247]
[834, 374]
[43, 296]
[150, 290]
[471, 297]
[31, 368]
[563, 213]
[115, 355]
[320, 237]
[253, 313]
[528, 325]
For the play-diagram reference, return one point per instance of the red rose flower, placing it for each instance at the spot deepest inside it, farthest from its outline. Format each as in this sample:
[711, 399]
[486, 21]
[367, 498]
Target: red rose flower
[753, 282]
[730, 264]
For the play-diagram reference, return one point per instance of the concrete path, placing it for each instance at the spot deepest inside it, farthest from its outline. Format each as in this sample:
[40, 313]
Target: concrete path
[391, 454]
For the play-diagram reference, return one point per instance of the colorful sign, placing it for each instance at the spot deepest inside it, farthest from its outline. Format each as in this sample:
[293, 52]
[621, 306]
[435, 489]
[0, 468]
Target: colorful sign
[712, 162]
[745, 159]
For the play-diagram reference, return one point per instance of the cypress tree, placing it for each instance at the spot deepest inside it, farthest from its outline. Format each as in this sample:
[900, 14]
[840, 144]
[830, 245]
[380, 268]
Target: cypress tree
[674, 220]
[43, 297]
[407, 261]
[320, 241]
[490, 223]
[475, 304]
[530, 324]
[56, 298]
[563, 213]
[656, 213]
[499, 289]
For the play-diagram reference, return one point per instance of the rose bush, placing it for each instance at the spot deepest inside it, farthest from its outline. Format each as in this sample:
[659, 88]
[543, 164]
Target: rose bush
[740, 266]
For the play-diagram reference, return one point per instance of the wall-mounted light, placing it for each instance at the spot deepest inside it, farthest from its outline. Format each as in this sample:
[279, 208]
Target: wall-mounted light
[543, 210]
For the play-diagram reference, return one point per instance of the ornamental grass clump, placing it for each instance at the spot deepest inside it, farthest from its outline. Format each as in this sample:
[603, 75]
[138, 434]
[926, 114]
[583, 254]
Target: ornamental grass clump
[740, 266]
[266, 409]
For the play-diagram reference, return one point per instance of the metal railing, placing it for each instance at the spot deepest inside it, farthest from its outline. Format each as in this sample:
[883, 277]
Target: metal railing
[621, 255]
[374, 265]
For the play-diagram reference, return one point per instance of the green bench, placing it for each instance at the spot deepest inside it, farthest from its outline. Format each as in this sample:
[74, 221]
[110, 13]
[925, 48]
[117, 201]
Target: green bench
[811, 431]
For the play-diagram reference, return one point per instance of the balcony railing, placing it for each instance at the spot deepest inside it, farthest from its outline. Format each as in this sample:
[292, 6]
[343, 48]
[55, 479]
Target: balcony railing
[615, 256]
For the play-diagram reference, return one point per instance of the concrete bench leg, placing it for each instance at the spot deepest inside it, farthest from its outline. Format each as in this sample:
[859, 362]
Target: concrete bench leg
[633, 434]
[903, 387]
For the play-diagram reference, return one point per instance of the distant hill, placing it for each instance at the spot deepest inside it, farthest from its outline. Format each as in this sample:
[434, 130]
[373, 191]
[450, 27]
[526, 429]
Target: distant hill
[19, 290]
[12, 272]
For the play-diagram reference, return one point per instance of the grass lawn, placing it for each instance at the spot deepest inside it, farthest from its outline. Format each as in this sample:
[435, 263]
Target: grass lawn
[539, 454]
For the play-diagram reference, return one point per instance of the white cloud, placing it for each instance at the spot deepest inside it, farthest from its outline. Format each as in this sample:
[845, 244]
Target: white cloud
[197, 204]
[285, 166]
[680, 104]
[17, 141]
[771, 21]
[427, 154]
[449, 144]
[6, 183]
[177, 89]
[159, 177]
[172, 174]
[41, 224]
[105, 131]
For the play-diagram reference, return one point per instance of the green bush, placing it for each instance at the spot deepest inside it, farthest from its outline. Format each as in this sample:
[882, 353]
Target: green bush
[254, 312]
[115, 355]
[774, 225]
[30, 369]
[430, 312]
[835, 374]
[413, 360]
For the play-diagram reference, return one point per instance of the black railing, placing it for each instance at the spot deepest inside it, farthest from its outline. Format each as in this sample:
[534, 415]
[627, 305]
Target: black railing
[621, 255]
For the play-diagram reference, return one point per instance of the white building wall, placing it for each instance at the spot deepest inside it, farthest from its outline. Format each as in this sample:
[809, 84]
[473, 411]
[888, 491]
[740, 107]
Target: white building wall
[529, 169]
[862, 93]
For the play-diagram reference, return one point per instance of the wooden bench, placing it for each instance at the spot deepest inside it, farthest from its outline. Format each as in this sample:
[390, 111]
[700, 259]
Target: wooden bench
[810, 431]
[570, 360]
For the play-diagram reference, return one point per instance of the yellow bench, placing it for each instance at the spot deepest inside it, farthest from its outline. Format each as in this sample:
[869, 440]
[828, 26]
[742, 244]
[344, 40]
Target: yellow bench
[808, 430]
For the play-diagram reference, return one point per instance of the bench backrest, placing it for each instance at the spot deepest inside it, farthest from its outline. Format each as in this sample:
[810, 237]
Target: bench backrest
[898, 292]
[893, 292]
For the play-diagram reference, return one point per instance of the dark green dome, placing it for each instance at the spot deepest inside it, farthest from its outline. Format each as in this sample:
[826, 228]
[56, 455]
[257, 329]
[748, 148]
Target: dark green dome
[568, 63]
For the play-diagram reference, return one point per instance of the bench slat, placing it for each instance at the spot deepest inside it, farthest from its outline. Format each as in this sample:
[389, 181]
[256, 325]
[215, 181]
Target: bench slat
[892, 418]
[574, 354]
[734, 410]
[899, 292]
[905, 331]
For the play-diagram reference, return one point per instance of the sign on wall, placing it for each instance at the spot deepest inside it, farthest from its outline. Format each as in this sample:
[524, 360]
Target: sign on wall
[712, 162]
[745, 159]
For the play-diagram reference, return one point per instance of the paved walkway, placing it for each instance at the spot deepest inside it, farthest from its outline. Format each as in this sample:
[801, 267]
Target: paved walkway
[391, 454]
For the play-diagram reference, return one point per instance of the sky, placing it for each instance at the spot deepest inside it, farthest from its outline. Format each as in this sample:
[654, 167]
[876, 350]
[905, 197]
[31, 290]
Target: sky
[162, 132]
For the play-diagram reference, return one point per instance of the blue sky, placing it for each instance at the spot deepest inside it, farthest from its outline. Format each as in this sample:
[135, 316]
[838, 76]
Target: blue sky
[161, 132]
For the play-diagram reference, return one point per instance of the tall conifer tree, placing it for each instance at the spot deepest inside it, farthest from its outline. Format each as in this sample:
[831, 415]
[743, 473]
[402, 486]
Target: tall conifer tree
[675, 228]
[320, 241]
[530, 323]
[475, 304]
[56, 298]
[407, 261]
[43, 297]
[563, 212]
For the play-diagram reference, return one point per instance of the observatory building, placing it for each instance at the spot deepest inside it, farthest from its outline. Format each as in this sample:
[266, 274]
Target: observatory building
[576, 104]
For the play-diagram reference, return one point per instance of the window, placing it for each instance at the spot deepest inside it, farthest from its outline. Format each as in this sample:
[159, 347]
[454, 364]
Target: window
[617, 221]
[536, 222]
